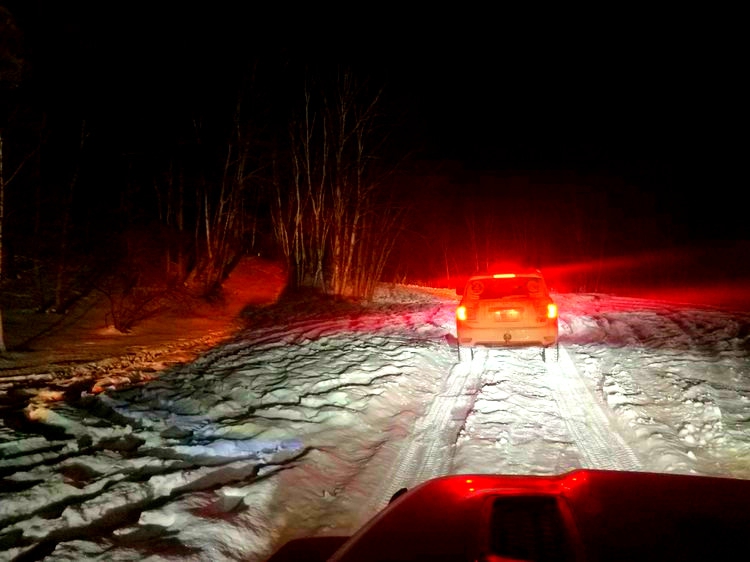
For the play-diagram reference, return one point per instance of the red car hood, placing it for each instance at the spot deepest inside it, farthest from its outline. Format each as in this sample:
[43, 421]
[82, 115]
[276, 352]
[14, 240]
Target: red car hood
[582, 515]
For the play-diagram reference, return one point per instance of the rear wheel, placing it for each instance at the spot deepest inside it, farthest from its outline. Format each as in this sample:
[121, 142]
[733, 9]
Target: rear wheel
[465, 354]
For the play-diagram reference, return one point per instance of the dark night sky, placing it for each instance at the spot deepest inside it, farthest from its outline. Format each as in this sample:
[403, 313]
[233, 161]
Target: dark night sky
[654, 103]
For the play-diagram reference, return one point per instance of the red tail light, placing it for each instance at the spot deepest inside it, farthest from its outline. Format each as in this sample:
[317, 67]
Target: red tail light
[551, 311]
[461, 313]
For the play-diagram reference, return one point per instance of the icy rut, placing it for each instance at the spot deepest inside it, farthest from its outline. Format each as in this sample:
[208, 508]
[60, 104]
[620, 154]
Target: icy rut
[428, 451]
[598, 443]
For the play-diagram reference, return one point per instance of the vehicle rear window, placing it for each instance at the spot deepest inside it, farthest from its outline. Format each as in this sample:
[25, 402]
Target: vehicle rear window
[491, 288]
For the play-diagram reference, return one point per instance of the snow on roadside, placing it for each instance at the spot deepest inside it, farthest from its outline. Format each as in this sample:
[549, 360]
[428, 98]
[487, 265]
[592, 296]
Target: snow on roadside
[305, 422]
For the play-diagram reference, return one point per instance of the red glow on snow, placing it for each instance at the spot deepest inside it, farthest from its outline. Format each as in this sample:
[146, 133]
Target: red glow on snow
[731, 295]
[608, 273]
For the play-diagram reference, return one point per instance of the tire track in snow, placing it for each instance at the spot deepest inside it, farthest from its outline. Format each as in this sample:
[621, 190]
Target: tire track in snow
[599, 446]
[428, 453]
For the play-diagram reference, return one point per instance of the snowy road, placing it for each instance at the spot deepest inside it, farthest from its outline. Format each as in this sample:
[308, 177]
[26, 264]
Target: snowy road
[599, 445]
[307, 424]
[558, 389]
[427, 452]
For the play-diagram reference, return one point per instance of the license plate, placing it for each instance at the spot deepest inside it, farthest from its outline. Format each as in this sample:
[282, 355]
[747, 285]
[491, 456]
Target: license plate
[506, 314]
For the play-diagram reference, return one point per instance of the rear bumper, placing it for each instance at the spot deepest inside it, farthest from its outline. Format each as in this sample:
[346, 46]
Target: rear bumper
[469, 336]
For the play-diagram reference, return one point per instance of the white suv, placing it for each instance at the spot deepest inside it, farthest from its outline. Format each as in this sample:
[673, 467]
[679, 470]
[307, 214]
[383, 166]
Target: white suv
[506, 309]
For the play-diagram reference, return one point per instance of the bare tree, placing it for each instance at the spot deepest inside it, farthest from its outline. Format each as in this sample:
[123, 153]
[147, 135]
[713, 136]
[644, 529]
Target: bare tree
[170, 205]
[3, 184]
[222, 206]
[302, 222]
[3, 348]
[11, 73]
[334, 218]
[62, 265]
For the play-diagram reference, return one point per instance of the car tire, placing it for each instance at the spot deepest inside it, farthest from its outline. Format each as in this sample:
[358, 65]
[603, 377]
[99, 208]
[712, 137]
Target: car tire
[465, 354]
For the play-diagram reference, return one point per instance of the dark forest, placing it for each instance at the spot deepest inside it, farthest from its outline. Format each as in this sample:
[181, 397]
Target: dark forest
[142, 154]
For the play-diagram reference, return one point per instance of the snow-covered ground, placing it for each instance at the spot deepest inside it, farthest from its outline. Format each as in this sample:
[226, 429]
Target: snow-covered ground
[306, 424]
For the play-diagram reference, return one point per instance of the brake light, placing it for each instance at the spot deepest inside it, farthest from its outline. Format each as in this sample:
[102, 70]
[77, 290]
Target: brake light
[461, 313]
[504, 275]
[551, 311]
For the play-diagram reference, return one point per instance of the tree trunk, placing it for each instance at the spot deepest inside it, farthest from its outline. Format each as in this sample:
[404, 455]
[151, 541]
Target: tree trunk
[67, 217]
